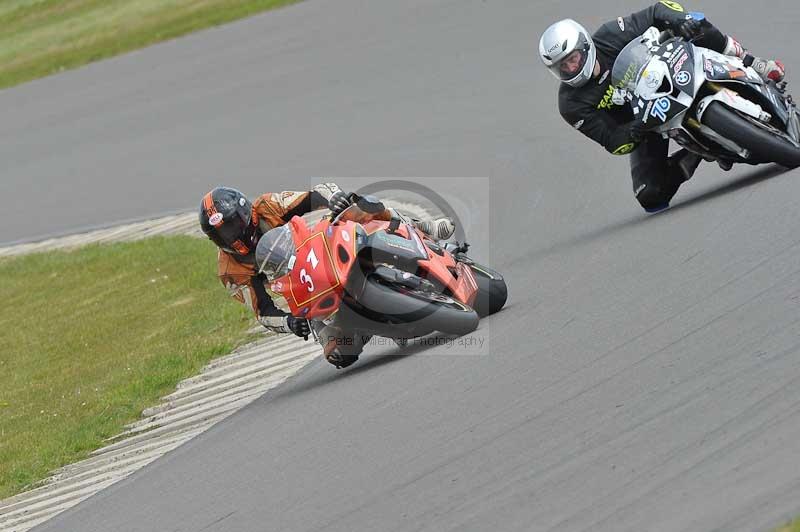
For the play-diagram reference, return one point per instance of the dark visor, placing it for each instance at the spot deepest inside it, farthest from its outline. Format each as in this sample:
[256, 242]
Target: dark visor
[234, 236]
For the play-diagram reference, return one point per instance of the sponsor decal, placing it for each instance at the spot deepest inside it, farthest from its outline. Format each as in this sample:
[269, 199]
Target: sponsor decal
[639, 190]
[396, 241]
[277, 286]
[719, 69]
[216, 219]
[660, 109]
[651, 79]
[628, 76]
[674, 55]
[675, 6]
[683, 78]
[621, 23]
[708, 67]
[679, 63]
[603, 77]
[646, 115]
[329, 231]
[292, 261]
[624, 149]
[736, 74]
[304, 311]
[242, 201]
[578, 124]
[345, 236]
[553, 48]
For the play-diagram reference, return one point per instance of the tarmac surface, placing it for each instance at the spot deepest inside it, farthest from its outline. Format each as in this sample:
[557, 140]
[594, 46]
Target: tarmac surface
[644, 375]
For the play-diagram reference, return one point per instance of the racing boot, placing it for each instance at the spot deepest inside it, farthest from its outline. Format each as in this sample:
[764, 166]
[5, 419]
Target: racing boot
[340, 349]
[438, 229]
[767, 69]
[687, 162]
[340, 359]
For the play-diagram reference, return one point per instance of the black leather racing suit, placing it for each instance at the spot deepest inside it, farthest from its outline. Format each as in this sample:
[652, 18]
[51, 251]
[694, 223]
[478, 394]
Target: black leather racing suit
[589, 109]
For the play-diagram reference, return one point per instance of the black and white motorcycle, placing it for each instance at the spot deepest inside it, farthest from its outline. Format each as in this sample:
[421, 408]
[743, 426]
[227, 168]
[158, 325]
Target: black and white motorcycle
[709, 103]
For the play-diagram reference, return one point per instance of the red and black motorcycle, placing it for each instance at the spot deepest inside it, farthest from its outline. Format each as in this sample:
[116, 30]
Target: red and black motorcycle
[380, 276]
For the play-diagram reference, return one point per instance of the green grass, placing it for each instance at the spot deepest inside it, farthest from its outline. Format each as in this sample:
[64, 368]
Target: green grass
[791, 527]
[40, 37]
[91, 337]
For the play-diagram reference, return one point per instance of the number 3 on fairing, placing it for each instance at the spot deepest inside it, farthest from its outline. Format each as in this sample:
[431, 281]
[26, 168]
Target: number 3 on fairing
[661, 108]
[304, 277]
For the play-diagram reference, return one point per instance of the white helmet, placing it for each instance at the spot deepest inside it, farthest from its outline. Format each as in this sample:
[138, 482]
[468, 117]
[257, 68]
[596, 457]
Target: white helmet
[558, 42]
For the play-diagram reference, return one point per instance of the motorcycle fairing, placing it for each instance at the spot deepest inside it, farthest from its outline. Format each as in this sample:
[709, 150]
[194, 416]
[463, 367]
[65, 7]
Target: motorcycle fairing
[455, 276]
[661, 98]
[718, 67]
[726, 69]
[333, 250]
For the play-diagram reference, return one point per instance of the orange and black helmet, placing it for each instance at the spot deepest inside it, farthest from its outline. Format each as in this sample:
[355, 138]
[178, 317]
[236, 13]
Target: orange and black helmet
[226, 217]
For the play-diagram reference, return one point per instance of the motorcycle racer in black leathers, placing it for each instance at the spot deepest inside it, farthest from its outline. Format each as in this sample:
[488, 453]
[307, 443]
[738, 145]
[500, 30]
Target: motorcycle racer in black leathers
[587, 100]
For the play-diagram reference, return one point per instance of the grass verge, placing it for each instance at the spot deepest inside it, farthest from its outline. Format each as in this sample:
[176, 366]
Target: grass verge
[791, 527]
[91, 337]
[41, 37]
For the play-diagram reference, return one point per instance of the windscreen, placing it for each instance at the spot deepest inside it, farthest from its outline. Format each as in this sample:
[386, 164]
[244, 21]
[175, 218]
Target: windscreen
[274, 251]
[629, 64]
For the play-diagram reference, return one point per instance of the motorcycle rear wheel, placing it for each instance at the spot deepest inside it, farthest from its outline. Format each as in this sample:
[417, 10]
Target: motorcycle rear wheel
[763, 144]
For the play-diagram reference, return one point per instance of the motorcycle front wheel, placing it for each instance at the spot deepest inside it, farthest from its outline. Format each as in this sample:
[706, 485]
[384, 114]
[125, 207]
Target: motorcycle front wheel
[765, 144]
[492, 290]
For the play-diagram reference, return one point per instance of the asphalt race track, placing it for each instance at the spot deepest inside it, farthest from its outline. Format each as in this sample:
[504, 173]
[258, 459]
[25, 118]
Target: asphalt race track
[644, 375]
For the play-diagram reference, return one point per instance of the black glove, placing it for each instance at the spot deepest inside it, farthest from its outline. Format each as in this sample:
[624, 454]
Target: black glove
[299, 326]
[338, 202]
[637, 131]
[691, 28]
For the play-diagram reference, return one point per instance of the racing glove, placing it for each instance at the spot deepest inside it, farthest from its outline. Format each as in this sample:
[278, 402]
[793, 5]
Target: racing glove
[299, 326]
[286, 324]
[691, 28]
[636, 131]
[338, 202]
